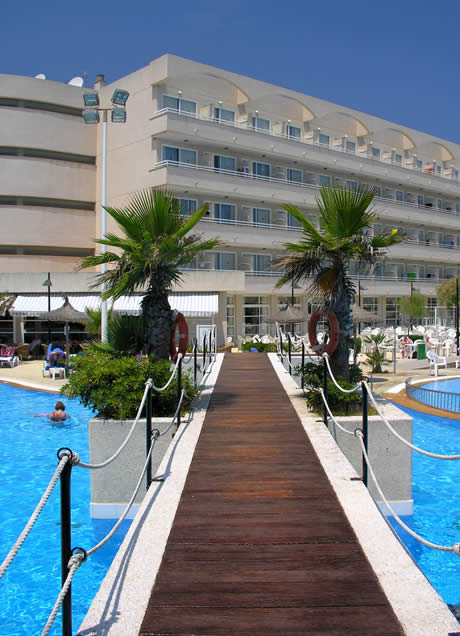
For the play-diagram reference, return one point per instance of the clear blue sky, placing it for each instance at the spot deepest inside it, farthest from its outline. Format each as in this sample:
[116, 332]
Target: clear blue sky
[396, 59]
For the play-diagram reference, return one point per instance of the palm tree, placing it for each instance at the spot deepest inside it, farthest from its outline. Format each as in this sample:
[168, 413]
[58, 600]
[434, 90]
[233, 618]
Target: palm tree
[324, 255]
[155, 244]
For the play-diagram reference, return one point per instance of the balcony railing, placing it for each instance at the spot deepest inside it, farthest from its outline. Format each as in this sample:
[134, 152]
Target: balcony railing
[309, 141]
[246, 175]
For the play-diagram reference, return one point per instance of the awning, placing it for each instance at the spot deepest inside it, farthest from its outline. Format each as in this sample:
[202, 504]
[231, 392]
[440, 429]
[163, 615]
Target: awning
[191, 305]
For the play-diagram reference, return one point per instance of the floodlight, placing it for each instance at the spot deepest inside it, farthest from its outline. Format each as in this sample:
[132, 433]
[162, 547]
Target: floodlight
[91, 116]
[119, 115]
[91, 99]
[119, 97]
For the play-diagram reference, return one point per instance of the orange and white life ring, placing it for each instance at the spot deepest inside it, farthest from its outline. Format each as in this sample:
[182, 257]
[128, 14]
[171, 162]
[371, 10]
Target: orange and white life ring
[333, 341]
[181, 323]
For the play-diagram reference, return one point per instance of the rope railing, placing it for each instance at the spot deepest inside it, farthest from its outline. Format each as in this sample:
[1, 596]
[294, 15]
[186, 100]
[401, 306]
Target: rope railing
[320, 390]
[455, 548]
[160, 389]
[402, 439]
[34, 516]
[148, 385]
[355, 388]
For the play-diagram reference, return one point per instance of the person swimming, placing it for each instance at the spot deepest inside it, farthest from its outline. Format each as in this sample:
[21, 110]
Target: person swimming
[58, 415]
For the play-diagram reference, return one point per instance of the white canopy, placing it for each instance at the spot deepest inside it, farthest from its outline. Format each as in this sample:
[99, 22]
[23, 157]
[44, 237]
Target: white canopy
[191, 305]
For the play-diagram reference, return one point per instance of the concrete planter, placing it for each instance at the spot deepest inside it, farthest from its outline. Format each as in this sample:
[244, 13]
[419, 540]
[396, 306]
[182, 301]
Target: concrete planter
[112, 486]
[390, 458]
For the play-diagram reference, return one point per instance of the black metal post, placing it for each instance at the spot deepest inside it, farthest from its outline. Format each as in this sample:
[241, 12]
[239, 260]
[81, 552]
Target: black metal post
[66, 551]
[281, 345]
[289, 353]
[179, 389]
[204, 353]
[325, 378]
[148, 436]
[365, 429]
[195, 362]
[302, 379]
[457, 316]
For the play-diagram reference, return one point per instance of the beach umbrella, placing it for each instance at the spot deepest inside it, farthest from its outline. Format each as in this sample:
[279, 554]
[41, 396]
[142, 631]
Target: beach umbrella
[362, 315]
[289, 315]
[66, 314]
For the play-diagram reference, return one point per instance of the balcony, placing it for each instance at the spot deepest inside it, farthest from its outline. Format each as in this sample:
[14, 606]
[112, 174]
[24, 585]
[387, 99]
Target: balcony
[242, 184]
[363, 152]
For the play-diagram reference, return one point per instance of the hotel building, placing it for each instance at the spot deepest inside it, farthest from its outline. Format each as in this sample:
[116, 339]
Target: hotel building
[242, 147]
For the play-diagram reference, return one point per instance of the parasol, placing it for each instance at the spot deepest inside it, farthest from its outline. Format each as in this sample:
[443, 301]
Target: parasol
[66, 314]
[290, 314]
[362, 315]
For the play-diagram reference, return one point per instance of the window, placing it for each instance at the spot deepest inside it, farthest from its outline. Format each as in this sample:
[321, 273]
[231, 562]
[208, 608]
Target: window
[324, 179]
[457, 208]
[261, 263]
[187, 206]
[255, 311]
[224, 212]
[294, 176]
[324, 139]
[224, 116]
[260, 215]
[392, 310]
[292, 221]
[350, 146]
[258, 123]
[179, 104]
[420, 200]
[375, 152]
[438, 170]
[231, 316]
[224, 163]
[293, 132]
[398, 159]
[399, 195]
[377, 190]
[181, 155]
[261, 169]
[352, 185]
[371, 303]
[224, 260]
[439, 202]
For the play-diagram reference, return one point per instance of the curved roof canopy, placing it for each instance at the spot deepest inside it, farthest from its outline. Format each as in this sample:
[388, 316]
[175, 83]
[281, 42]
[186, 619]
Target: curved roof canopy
[436, 151]
[392, 137]
[342, 124]
[215, 86]
[282, 106]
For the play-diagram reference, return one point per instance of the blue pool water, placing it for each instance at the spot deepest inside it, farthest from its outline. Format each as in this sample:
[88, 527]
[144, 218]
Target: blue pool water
[436, 503]
[445, 386]
[28, 448]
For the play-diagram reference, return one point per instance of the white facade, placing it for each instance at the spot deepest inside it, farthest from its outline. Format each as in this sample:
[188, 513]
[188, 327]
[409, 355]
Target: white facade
[242, 147]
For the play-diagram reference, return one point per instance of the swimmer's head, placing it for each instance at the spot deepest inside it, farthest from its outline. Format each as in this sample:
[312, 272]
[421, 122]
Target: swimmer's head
[60, 406]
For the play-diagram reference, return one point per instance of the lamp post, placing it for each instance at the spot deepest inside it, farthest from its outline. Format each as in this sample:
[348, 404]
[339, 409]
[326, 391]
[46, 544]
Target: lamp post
[91, 116]
[47, 283]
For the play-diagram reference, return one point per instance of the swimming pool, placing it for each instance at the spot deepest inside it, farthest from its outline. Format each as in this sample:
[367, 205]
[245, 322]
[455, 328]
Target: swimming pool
[28, 448]
[441, 394]
[436, 503]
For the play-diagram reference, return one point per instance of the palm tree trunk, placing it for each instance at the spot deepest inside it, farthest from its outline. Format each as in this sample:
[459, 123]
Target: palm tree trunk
[159, 323]
[339, 359]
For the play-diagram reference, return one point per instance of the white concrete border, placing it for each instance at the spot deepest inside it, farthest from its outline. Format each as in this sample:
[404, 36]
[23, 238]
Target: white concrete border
[28, 385]
[417, 605]
[121, 602]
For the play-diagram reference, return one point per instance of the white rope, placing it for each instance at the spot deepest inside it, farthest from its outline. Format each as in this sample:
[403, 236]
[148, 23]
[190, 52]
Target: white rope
[175, 414]
[355, 388]
[158, 389]
[155, 436]
[331, 416]
[108, 461]
[396, 434]
[34, 516]
[455, 548]
[74, 563]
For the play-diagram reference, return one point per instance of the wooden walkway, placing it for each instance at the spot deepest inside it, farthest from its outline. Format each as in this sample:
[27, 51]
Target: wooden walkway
[260, 544]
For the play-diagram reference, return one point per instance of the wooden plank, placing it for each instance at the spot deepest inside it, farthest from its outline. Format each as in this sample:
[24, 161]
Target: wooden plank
[260, 544]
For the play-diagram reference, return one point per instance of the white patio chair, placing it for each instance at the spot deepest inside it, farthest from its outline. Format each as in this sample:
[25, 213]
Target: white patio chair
[436, 361]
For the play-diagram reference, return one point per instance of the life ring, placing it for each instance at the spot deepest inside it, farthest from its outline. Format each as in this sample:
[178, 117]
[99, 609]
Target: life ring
[333, 341]
[181, 323]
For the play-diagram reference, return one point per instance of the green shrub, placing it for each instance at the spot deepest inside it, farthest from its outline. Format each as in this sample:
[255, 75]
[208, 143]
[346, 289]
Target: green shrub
[113, 387]
[262, 347]
[340, 403]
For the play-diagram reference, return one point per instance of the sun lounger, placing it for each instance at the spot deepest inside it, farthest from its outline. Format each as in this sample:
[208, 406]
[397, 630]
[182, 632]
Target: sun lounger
[8, 356]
